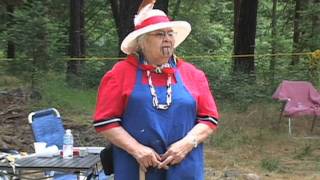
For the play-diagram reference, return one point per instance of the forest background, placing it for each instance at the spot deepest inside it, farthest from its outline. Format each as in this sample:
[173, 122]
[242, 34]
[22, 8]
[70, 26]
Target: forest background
[58, 50]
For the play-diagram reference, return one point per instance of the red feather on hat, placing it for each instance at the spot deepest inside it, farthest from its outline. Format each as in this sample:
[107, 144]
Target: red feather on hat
[145, 3]
[144, 7]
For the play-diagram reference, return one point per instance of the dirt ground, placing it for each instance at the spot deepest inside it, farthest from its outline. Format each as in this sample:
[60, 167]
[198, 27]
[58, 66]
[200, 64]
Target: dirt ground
[16, 133]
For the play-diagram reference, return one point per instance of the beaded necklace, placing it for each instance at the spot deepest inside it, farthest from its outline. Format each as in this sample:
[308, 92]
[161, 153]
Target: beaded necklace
[164, 68]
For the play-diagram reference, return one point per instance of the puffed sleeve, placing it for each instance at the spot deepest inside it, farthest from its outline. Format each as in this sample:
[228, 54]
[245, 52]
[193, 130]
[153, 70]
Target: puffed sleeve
[207, 109]
[110, 103]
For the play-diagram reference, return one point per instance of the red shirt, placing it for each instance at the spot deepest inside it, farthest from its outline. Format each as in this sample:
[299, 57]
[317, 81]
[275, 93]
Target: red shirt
[117, 84]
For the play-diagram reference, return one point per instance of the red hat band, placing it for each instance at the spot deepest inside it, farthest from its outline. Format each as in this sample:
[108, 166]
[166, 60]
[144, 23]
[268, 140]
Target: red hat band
[152, 20]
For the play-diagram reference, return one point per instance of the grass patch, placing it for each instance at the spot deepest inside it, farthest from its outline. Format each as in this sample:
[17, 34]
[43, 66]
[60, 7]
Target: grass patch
[250, 127]
[304, 152]
[75, 103]
[270, 165]
[9, 82]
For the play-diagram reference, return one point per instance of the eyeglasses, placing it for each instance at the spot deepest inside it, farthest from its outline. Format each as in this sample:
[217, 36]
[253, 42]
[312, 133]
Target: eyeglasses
[162, 34]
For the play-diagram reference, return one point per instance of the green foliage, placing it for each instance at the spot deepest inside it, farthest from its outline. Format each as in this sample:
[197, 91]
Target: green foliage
[40, 31]
[270, 165]
[7, 82]
[309, 24]
[100, 29]
[209, 35]
[93, 72]
[305, 151]
[39, 40]
[3, 32]
[231, 137]
[241, 90]
[56, 93]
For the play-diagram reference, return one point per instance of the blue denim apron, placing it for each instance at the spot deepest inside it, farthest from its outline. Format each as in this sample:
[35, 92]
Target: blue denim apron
[158, 129]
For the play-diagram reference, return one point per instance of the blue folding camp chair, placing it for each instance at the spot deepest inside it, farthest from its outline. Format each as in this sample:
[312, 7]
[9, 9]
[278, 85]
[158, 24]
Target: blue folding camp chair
[47, 127]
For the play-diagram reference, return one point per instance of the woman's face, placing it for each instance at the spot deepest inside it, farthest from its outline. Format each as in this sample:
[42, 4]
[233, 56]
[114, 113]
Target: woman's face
[159, 44]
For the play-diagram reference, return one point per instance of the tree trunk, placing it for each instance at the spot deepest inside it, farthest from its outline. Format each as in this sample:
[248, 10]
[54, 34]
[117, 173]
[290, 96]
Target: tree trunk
[77, 46]
[11, 48]
[123, 13]
[82, 30]
[296, 32]
[245, 20]
[274, 39]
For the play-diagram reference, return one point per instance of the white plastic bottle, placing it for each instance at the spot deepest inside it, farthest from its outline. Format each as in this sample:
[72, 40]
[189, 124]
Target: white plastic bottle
[68, 145]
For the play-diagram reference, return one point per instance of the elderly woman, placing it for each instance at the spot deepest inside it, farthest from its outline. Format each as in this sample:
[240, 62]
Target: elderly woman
[155, 109]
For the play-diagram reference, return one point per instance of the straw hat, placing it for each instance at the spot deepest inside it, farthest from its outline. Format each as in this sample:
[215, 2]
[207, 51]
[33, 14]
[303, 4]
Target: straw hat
[148, 20]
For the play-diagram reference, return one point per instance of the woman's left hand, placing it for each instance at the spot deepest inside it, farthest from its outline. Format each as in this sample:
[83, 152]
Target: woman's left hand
[176, 153]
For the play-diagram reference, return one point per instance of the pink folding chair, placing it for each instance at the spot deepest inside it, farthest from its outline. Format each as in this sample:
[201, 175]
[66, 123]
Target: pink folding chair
[299, 98]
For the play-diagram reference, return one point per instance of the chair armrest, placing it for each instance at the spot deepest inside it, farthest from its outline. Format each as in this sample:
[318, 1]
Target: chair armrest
[41, 113]
[284, 100]
[315, 100]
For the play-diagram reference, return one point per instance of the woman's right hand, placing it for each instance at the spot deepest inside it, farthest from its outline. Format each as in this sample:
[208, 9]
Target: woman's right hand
[146, 157]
